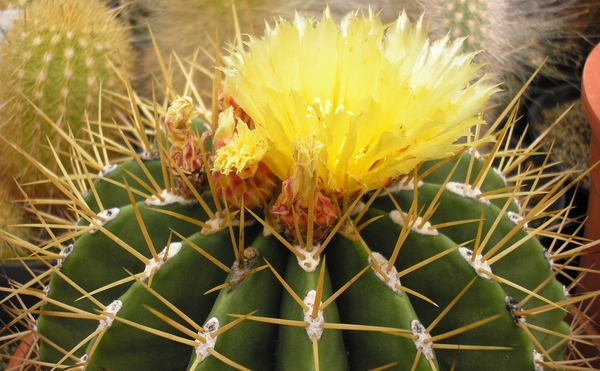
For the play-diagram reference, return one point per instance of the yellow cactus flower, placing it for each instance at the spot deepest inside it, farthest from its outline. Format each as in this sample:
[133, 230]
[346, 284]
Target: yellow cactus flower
[186, 147]
[239, 149]
[379, 99]
[242, 179]
[307, 157]
[178, 119]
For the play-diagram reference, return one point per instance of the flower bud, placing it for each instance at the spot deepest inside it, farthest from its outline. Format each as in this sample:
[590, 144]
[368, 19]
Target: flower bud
[290, 213]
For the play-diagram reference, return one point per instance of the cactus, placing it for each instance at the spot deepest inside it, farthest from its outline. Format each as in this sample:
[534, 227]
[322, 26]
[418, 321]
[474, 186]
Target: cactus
[56, 58]
[333, 220]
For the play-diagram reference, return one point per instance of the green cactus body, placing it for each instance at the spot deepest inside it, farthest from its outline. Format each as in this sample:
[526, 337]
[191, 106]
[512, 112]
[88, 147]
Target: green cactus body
[139, 177]
[113, 263]
[360, 250]
[459, 275]
[145, 350]
[441, 281]
[530, 250]
[368, 349]
[295, 344]
[257, 352]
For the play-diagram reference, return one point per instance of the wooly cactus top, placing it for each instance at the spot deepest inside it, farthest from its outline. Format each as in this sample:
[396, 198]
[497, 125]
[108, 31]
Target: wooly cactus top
[330, 216]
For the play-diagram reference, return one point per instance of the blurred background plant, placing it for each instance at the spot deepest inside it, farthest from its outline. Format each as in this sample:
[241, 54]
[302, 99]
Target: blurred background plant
[57, 58]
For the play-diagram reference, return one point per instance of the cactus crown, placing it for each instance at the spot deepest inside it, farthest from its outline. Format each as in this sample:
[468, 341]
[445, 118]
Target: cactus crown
[318, 221]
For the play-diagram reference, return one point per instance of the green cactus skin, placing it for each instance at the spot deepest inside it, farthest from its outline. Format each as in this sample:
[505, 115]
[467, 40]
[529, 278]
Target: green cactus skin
[241, 301]
[293, 345]
[362, 300]
[96, 260]
[148, 351]
[112, 183]
[453, 269]
[126, 229]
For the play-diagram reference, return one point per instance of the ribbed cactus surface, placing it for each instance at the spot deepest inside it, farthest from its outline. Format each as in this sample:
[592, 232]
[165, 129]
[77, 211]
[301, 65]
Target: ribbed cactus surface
[446, 286]
[326, 219]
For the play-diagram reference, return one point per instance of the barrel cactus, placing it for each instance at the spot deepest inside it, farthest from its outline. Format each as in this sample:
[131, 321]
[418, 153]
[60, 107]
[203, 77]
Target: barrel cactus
[332, 214]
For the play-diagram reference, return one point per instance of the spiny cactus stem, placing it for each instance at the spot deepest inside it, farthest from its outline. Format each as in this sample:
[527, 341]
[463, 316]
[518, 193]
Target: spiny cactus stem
[242, 268]
[308, 262]
[313, 315]
[317, 305]
[207, 339]
[422, 340]
[219, 222]
[242, 252]
[144, 230]
[476, 261]
[411, 246]
[386, 271]
[157, 194]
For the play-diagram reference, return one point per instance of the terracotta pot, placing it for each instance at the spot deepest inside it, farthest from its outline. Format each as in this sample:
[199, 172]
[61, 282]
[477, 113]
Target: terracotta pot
[22, 353]
[590, 100]
[11, 274]
[18, 273]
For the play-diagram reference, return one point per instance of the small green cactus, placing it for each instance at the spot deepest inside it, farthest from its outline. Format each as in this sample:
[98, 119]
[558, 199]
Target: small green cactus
[56, 58]
[327, 218]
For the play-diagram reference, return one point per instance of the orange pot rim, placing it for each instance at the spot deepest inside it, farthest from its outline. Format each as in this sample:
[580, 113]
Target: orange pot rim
[590, 90]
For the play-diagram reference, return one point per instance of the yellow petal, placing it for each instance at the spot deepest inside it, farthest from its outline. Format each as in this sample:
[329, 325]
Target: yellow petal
[226, 125]
[379, 101]
[242, 152]
[307, 155]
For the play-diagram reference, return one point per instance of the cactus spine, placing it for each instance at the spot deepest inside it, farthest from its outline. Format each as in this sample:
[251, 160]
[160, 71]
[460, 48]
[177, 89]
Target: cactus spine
[373, 240]
[56, 58]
